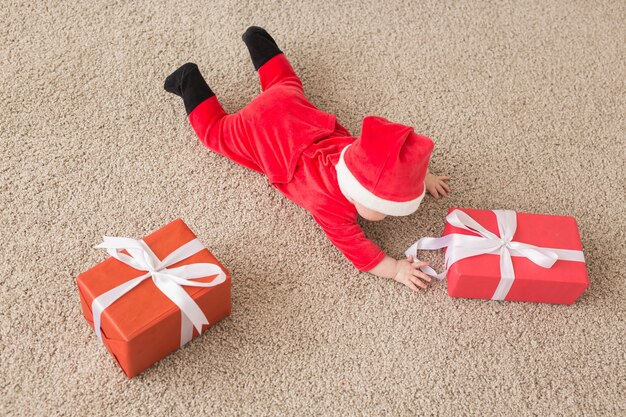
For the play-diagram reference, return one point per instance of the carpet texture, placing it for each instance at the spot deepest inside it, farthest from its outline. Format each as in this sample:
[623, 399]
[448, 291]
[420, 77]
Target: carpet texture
[526, 104]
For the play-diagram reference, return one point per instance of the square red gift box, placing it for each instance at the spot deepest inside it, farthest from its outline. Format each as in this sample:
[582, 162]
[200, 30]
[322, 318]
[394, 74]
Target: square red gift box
[504, 255]
[153, 295]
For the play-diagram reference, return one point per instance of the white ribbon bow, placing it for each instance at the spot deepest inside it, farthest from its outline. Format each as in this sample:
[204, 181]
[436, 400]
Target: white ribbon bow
[465, 246]
[169, 280]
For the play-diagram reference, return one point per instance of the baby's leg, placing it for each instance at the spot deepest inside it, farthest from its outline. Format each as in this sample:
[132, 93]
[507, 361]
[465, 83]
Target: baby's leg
[216, 129]
[270, 62]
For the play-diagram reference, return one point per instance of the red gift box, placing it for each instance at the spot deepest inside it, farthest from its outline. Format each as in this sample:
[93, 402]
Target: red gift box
[537, 239]
[144, 325]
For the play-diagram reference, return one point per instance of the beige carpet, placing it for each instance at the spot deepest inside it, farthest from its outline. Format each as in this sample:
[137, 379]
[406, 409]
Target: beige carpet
[526, 103]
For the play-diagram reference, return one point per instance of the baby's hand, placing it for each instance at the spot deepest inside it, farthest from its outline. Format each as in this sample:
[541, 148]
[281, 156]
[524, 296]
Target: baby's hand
[436, 185]
[408, 273]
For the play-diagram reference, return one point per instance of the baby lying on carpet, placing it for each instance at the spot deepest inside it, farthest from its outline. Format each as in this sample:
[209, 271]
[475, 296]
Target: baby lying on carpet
[313, 160]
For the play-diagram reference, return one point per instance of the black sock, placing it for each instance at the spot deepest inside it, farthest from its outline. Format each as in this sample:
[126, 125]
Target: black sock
[188, 83]
[261, 45]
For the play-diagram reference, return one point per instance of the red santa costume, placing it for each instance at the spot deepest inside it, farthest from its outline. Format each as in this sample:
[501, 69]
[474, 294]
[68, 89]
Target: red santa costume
[310, 158]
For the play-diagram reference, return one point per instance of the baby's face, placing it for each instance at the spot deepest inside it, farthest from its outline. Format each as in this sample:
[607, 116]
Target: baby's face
[369, 214]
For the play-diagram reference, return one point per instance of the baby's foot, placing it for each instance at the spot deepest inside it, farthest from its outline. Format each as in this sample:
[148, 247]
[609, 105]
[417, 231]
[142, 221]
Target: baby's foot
[261, 45]
[188, 83]
[253, 31]
[174, 82]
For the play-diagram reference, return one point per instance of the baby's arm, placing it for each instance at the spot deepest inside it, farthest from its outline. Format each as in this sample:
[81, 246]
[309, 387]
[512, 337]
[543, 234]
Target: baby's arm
[404, 271]
[368, 257]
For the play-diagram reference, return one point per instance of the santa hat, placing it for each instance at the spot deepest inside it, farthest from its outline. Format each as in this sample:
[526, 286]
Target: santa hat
[384, 169]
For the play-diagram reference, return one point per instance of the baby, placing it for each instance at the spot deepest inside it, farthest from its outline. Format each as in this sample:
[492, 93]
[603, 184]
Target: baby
[313, 160]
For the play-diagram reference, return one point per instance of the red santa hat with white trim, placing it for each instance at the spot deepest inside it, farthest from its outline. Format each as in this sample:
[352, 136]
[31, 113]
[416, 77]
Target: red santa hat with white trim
[385, 168]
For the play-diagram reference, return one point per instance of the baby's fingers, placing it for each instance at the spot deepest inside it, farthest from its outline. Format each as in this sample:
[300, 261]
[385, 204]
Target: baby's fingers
[446, 186]
[415, 281]
[441, 190]
[419, 264]
[412, 286]
[419, 274]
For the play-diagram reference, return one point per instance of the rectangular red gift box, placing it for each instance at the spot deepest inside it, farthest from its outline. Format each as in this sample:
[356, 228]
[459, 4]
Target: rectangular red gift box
[144, 326]
[478, 276]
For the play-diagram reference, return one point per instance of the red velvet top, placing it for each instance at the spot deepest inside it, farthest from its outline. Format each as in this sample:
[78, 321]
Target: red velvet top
[314, 187]
[282, 135]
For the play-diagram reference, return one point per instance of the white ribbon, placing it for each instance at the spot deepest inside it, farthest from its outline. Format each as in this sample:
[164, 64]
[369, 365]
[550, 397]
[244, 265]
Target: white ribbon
[169, 280]
[485, 242]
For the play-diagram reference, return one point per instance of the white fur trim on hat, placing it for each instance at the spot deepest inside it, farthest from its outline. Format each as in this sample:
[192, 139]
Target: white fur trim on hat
[354, 190]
